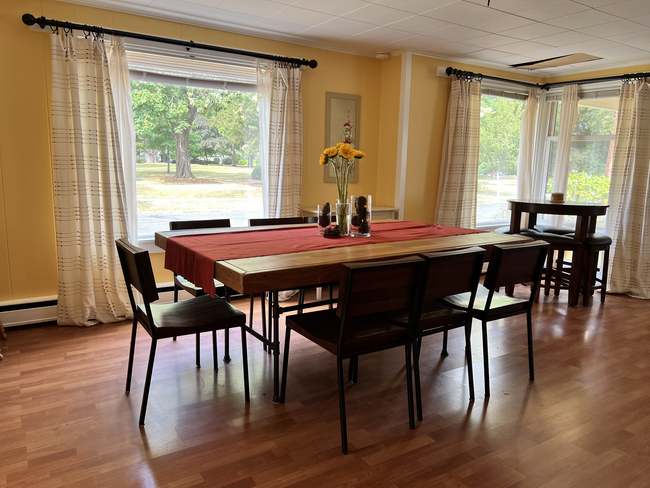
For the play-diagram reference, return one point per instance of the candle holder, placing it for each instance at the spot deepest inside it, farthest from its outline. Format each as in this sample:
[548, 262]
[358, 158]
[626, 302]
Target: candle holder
[361, 215]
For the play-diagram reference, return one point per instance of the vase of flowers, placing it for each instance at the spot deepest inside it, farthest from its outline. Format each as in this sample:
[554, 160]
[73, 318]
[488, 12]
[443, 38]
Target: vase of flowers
[342, 157]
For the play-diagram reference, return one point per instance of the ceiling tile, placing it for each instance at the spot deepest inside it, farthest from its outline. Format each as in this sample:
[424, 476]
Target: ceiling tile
[515, 59]
[542, 11]
[612, 28]
[598, 3]
[378, 15]
[568, 37]
[462, 12]
[490, 41]
[440, 47]
[504, 5]
[591, 47]
[488, 54]
[625, 53]
[232, 17]
[346, 26]
[180, 6]
[579, 20]
[415, 6]
[274, 25]
[521, 47]
[458, 33]
[501, 22]
[628, 9]
[632, 38]
[382, 35]
[301, 16]
[532, 31]
[335, 7]
[261, 8]
[420, 25]
[644, 19]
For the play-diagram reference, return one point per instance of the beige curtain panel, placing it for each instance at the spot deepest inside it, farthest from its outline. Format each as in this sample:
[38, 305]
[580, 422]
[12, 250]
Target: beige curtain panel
[629, 196]
[457, 189]
[280, 101]
[88, 184]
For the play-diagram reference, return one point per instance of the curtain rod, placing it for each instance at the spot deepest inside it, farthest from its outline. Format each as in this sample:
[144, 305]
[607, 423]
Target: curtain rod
[29, 19]
[470, 75]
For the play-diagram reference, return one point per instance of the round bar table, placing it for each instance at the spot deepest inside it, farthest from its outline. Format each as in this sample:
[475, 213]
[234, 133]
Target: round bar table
[586, 215]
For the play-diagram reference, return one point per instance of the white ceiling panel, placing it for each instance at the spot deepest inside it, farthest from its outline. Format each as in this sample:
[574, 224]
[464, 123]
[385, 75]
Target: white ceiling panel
[507, 32]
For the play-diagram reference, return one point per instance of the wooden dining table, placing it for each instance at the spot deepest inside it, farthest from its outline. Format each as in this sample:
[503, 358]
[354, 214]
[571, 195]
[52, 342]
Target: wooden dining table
[586, 214]
[287, 271]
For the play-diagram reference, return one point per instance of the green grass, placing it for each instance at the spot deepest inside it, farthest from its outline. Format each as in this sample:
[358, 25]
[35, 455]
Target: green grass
[212, 172]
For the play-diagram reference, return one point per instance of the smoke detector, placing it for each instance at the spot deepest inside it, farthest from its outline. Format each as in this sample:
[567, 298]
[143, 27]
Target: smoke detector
[382, 56]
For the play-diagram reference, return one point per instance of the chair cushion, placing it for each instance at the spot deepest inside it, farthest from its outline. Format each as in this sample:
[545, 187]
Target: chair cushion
[501, 305]
[552, 229]
[200, 314]
[596, 239]
[506, 230]
[555, 240]
[435, 317]
[363, 334]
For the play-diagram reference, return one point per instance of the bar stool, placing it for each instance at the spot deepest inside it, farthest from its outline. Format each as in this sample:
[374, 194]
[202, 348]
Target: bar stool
[594, 245]
[555, 277]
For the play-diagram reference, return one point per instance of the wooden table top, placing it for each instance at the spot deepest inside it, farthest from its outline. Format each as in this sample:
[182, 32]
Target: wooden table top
[294, 270]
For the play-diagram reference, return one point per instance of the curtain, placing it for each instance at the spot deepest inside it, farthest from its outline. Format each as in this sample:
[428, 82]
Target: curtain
[568, 118]
[88, 184]
[540, 162]
[456, 204]
[121, 86]
[629, 195]
[280, 102]
[526, 147]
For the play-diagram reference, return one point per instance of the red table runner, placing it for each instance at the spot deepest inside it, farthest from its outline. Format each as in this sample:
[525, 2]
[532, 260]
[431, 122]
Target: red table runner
[193, 257]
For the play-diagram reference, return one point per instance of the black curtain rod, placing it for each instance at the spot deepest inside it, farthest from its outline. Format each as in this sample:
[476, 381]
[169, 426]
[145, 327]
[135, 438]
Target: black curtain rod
[29, 19]
[477, 76]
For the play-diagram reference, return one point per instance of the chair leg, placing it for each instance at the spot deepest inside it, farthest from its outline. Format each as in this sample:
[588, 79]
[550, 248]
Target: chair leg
[409, 383]
[263, 299]
[444, 344]
[331, 296]
[215, 355]
[270, 322]
[353, 369]
[285, 364]
[147, 382]
[468, 354]
[590, 275]
[603, 289]
[529, 327]
[175, 291]
[486, 360]
[131, 352]
[244, 355]
[301, 299]
[416, 371]
[198, 350]
[226, 345]
[344, 430]
[549, 272]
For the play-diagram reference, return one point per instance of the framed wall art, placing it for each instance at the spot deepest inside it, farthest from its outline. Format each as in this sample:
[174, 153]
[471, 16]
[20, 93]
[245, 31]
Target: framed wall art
[342, 124]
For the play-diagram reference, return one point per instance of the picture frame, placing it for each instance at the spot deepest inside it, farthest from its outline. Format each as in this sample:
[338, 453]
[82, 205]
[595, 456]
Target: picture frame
[342, 123]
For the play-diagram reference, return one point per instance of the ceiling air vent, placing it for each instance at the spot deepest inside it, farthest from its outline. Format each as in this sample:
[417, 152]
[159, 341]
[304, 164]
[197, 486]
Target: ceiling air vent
[555, 62]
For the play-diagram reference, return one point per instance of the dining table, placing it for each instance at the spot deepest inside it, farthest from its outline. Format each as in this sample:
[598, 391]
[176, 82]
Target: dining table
[252, 260]
[586, 214]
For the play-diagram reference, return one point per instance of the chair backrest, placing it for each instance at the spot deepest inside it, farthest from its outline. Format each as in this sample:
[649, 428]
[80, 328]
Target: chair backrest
[516, 263]
[198, 224]
[282, 221]
[452, 272]
[137, 270]
[379, 286]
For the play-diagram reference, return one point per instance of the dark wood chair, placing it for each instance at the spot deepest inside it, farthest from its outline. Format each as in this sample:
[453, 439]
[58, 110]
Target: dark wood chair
[181, 283]
[161, 321]
[446, 273]
[509, 266]
[356, 328]
[594, 245]
[301, 298]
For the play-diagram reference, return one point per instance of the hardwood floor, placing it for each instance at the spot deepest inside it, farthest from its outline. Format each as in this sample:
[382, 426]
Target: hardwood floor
[66, 421]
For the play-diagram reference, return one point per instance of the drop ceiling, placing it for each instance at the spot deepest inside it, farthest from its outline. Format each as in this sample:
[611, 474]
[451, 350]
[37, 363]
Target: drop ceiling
[506, 33]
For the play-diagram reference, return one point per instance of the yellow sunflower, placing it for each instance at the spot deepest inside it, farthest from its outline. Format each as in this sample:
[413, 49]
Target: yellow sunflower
[359, 155]
[331, 152]
[323, 159]
[346, 151]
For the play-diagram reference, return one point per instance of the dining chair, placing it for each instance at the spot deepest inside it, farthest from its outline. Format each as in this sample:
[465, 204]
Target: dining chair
[356, 328]
[181, 283]
[465, 267]
[162, 321]
[509, 265]
[301, 298]
[595, 244]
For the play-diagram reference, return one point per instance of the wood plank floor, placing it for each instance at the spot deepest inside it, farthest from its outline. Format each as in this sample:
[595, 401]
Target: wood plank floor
[66, 421]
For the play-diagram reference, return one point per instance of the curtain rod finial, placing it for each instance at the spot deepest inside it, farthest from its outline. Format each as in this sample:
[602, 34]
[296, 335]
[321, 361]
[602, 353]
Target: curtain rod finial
[29, 19]
[312, 64]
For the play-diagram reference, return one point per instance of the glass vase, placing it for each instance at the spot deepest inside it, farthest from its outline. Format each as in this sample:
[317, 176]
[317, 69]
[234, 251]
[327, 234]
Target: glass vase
[361, 215]
[324, 217]
[343, 217]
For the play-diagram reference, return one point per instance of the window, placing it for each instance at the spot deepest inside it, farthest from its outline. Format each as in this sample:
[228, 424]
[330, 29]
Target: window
[197, 141]
[498, 152]
[592, 151]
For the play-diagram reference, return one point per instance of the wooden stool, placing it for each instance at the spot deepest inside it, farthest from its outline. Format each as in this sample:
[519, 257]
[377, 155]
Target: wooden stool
[594, 245]
[555, 277]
